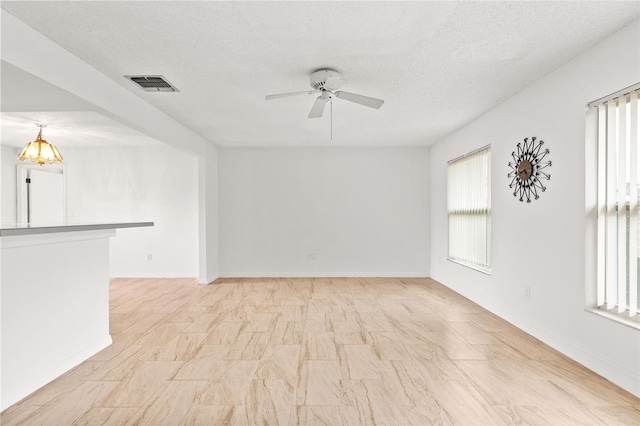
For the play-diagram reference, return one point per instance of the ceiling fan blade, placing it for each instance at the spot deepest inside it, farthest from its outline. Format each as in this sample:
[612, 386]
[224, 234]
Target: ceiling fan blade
[318, 108]
[359, 99]
[286, 95]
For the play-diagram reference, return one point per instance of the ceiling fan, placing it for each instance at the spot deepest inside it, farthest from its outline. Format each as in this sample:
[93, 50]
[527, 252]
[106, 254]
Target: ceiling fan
[326, 82]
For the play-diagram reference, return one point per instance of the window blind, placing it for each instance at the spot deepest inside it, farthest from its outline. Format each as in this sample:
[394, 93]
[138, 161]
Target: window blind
[618, 160]
[469, 209]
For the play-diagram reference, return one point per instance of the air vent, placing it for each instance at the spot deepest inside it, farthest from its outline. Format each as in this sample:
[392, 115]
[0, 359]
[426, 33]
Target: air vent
[152, 83]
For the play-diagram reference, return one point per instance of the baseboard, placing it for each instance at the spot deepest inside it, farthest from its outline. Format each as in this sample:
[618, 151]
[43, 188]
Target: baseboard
[209, 280]
[153, 275]
[422, 274]
[11, 396]
[212, 279]
[616, 374]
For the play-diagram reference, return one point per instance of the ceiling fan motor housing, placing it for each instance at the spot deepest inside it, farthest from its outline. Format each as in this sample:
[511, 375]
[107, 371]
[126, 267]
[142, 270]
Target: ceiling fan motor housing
[327, 80]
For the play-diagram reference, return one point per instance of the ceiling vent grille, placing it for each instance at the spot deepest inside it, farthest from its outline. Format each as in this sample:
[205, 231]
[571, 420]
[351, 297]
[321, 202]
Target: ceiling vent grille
[152, 83]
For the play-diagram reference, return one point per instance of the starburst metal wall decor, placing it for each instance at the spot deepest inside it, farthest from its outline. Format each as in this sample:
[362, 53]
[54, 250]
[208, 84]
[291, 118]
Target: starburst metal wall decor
[527, 167]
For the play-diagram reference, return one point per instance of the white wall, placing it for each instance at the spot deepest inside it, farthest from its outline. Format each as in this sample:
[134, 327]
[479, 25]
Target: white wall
[208, 204]
[362, 211]
[542, 245]
[55, 315]
[8, 160]
[25, 48]
[158, 184]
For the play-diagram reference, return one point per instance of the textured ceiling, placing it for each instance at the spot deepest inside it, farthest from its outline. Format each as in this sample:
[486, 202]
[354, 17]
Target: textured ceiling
[437, 65]
[85, 129]
[27, 100]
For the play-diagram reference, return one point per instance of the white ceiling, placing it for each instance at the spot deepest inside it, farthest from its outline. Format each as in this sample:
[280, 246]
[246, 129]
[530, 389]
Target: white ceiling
[85, 129]
[70, 121]
[437, 65]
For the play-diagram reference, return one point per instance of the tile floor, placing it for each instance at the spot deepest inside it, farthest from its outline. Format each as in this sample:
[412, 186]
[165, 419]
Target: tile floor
[342, 351]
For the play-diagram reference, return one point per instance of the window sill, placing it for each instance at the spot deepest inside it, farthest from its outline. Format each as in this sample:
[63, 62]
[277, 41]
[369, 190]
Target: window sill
[486, 271]
[615, 317]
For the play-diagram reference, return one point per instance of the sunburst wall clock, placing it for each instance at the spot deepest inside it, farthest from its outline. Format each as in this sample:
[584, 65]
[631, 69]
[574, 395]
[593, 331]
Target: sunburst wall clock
[526, 170]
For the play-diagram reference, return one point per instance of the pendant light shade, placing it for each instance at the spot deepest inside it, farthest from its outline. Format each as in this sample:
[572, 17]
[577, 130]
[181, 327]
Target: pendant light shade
[40, 151]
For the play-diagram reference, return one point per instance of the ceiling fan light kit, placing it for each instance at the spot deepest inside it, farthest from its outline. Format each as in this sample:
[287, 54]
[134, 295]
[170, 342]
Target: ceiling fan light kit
[326, 82]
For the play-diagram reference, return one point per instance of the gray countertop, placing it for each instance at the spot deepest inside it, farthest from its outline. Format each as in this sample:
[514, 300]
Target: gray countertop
[13, 229]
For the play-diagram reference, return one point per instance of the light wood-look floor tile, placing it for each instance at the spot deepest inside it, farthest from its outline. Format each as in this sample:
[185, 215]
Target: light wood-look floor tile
[279, 362]
[358, 362]
[180, 348]
[367, 402]
[226, 333]
[143, 382]
[316, 415]
[229, 383]
[169, 404]
[268, 402]
[318, 383]
[287, 333]
[318, 351]
[206, 415]
[318, 345]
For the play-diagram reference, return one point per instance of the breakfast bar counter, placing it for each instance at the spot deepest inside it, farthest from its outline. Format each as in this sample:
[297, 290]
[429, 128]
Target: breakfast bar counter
[54, 301]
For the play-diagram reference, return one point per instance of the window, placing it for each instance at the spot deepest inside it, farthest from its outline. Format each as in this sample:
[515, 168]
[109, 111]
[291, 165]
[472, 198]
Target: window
[469, 207]
[618, 161]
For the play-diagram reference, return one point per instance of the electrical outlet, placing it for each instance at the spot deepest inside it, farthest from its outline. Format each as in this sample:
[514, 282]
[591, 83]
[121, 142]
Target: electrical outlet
[527, 292]
[150, 257]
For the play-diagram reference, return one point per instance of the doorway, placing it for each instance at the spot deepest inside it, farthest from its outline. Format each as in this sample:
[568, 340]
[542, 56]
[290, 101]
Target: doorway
[41, 194]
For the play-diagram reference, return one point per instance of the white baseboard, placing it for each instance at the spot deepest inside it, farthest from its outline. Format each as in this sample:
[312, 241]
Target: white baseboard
[11, 396]
[207, 280]
[422, 274]
[152, 275]
[616, 374]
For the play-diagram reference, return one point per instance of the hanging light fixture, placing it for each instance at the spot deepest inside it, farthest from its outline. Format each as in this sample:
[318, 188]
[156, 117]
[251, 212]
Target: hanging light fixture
[40, 151]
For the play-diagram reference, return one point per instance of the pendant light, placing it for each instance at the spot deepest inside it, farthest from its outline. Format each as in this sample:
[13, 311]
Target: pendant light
[40, 151]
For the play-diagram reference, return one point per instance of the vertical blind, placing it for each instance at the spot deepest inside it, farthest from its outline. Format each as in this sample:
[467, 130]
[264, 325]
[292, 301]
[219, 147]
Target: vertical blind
[469, 208]
[618, 160]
